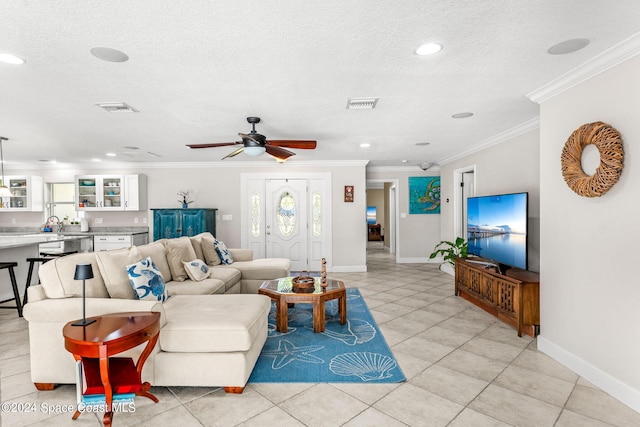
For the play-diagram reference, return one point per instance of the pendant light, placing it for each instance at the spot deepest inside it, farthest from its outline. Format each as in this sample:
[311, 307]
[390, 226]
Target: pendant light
[4, 190]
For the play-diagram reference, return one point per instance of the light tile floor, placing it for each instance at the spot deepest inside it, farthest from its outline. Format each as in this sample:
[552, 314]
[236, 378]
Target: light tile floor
[463, 368]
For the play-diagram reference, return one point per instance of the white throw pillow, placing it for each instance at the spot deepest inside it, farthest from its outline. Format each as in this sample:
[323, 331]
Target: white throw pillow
[197, 270]
[223, 252]
[147, 281]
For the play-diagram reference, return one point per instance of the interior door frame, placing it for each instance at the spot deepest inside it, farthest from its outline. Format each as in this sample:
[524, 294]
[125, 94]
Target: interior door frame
[458, 194]
[327, 240]
[394, 214]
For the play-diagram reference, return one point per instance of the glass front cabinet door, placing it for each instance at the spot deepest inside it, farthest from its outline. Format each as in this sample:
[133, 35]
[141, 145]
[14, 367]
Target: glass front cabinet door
[99, 192]
[27, 194]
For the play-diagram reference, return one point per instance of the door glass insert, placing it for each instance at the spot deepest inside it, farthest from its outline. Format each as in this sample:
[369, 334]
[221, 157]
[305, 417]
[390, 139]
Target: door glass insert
[255, 215]
[286, 213]
[316, 228]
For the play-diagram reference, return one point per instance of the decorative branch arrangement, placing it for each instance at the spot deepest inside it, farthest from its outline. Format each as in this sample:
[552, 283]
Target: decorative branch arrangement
[185, 198]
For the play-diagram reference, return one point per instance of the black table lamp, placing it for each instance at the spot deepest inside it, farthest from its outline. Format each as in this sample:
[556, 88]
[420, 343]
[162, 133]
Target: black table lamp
[83, 272]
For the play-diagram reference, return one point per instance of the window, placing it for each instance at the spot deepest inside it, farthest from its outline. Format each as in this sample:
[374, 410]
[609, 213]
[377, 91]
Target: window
[255, 215]
[317, 216]
[63, 201]
[286, 214]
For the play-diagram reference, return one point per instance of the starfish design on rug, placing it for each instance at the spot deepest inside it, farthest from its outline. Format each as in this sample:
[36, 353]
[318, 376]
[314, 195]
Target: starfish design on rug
[287, 353]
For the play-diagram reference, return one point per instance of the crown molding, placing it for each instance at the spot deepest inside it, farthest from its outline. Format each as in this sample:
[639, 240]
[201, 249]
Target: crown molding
[506, 136]
[190, 165]
[617, 54]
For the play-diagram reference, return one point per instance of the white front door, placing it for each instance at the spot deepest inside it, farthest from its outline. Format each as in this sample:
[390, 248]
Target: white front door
[286, 221]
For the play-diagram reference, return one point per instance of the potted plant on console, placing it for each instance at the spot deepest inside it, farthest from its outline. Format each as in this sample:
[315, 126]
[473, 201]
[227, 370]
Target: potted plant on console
[449, 251]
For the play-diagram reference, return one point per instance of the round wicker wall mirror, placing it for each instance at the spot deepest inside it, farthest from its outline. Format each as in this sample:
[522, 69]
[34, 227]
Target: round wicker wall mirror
[609, 144]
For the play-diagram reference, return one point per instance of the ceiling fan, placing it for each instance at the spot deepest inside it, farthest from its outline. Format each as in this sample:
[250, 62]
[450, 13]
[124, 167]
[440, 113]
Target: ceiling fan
[255, 144]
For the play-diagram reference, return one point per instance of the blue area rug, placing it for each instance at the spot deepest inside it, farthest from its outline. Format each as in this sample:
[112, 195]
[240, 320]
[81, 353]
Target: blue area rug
[355, 352]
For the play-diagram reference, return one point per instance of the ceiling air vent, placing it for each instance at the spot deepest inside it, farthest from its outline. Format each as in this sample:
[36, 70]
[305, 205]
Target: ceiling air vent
[139, 155]
[117, 107]
[361, 103]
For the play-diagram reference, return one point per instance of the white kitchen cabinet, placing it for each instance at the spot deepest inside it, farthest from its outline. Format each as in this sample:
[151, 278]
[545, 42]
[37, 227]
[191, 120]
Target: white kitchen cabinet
[27, 194]
[111, 192]
[109, 242]
[135, 192]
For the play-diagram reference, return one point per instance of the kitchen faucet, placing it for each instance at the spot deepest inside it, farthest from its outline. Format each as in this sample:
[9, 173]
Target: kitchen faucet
[58, 223]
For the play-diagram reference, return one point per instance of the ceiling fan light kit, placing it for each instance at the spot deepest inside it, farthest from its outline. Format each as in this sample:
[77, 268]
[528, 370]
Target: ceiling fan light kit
[255, 144]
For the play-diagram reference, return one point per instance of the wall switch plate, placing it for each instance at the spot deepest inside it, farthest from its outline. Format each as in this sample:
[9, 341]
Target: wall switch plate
[98, 220]
[13, 220]
[135, 220]
[227, 217]
[144, 220]
[403, 214]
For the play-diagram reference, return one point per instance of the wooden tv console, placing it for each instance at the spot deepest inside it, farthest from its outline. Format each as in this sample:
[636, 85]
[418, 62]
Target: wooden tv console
[513, 297]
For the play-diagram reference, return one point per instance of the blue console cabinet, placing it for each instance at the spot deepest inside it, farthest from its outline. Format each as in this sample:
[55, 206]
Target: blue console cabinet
[170, 223]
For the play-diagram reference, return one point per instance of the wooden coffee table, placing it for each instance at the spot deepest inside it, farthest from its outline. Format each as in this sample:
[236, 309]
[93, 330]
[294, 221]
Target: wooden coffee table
[109, 335]
[284, 296]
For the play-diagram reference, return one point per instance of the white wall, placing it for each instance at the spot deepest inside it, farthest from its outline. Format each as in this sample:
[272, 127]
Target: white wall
[217, 185]
[417, 234]
[590, 293]
[510, 167]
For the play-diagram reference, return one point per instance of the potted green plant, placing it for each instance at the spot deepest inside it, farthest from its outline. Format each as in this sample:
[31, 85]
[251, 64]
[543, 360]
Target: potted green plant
[449, 251]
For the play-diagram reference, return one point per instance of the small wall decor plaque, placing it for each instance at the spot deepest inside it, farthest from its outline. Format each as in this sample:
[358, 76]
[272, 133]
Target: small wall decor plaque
[348, 193]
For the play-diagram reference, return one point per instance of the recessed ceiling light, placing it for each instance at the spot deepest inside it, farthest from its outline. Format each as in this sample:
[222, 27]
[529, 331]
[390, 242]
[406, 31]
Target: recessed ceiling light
[462, 115]
[567, 46]
[96, 160]
[422, 144]
[365, 145]
[428, 49]
[109, 55]
[8, 58]
[111, 154]
[405, 161]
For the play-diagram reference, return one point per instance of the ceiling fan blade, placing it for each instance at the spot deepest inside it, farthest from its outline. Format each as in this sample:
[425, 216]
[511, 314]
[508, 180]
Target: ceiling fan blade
[279, 153]
[293, 143]
[235, 153]
[220, 144]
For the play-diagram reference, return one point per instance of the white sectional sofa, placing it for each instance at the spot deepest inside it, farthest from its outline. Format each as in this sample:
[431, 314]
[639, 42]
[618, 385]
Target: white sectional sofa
[212, 331]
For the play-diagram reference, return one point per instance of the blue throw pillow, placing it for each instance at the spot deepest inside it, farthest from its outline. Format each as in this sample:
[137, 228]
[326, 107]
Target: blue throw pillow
[223, 252]
[147, 281]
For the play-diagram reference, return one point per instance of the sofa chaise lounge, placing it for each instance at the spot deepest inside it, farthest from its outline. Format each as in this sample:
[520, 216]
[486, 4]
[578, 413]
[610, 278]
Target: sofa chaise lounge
[212, 330]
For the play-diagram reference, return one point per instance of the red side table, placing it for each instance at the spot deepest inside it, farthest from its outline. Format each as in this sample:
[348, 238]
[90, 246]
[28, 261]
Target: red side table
[111, 334]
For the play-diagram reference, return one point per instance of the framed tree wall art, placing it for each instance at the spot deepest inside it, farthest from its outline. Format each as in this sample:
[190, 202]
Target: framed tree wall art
[424, 195]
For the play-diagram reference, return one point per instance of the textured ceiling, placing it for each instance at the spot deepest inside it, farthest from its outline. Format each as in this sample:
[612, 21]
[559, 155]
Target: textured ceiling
[197, 69]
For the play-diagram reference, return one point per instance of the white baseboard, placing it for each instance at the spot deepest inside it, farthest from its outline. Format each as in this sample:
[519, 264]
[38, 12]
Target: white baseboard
[613, 386]
[349, 269]
[413, 260]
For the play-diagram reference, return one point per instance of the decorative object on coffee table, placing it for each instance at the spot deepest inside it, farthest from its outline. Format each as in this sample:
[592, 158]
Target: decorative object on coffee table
[303, 283]
[323, 276]
[609, 143]
[83, 272]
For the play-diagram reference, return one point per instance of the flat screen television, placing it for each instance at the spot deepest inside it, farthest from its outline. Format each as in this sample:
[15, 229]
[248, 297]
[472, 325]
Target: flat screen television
[497, 228]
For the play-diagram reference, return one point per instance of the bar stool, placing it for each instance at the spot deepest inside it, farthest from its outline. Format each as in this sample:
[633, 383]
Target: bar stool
[43, 258]
[14, 285]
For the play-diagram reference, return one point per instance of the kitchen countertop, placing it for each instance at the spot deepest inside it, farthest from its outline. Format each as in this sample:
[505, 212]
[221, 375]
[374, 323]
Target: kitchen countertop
[16, 241]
